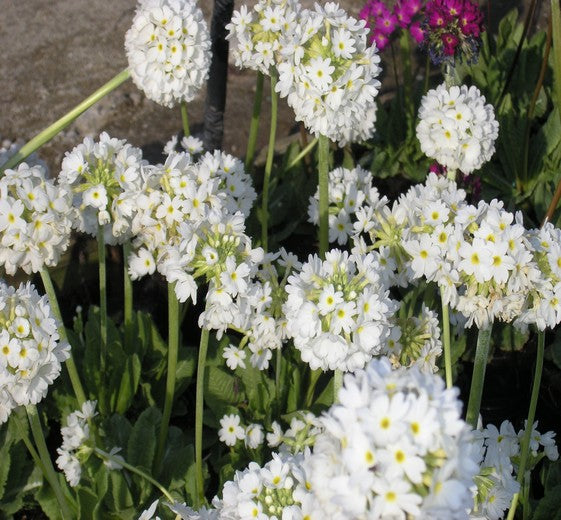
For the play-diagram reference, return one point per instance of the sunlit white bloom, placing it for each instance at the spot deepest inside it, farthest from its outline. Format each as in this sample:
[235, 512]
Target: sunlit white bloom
[168, 49]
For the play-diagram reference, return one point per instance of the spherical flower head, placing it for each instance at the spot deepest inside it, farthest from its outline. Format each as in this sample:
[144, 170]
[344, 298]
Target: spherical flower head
[255, 35]
[168, 48]
[328, 74]
[394, 446]
[105, 178]
[276, 490]
[338, 311]
[457, 128]
[349, 191]
[30, 351]
[35, 220]
[452, 30]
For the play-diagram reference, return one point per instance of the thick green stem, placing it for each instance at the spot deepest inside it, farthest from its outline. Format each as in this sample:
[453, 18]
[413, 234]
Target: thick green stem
[278, 368]
[323, 172]
[103, 455]
[50, 473]
[173, 349]
[314, 377]
[269, 164]
[102, 316]
[525, 445]
[427, 74]
[254, 126]
[446, 340]
[51, 131]
[185, 119]
[199, 406]
[337, 384]
[309, 147]
[128, 298]
[478, 377]
[407, 74]
[70, 364]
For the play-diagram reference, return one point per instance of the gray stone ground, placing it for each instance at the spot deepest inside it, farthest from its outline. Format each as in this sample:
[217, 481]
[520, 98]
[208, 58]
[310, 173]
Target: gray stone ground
[56, 52]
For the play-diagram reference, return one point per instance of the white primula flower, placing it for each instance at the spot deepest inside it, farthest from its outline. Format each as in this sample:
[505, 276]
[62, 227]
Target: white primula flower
[459, 134]
[105, 179]
[35, 222]
[338, 311]
[230, 430]
[254, 35]
[168, 48]
[31, 353]
[328, 73]
[76, 448]
[392, 435]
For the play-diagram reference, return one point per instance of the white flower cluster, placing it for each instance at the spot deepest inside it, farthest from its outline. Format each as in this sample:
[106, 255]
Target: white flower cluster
[105, 177]
[219, 250]
[75, 436]
[328, 72]
[301, 434]
[30, 351]
[34, 219]
[488, 265]
[457, 128]
[349, 191]
[231, 431]
[496, 482]
[168, 48]
[181, 200]
[265, 328]
[395, 447]
[338, 311]
[255, 35]
[276, 490]
[415, 340]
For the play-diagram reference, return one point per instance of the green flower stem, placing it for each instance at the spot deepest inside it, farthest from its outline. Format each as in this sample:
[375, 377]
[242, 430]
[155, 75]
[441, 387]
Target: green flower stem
[49, 470]
[525, 445]
[185, 119]
[254, 126]
[51, 131]
[323, 172]
[269, 164]
[314, 377]
[446, 337]
[337, 384]
[309, 147]
[478, 377]
[128, 297]
[173, 348]
[102, 315]
[103, 455]
[199, 479]
[29, 445]
[70, 364]
[278, 368]
[556, 26]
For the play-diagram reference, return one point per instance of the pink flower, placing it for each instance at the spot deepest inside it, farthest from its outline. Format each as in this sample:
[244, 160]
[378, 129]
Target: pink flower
[417, 32]
[450, 43]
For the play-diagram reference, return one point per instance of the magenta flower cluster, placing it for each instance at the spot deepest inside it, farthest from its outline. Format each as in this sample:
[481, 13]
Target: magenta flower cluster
[383, 21]
[452, 30]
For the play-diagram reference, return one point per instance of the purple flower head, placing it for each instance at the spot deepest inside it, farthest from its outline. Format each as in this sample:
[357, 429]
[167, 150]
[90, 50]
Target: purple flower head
[417, 32]
[386, 24]
[452, 30]
[402, 14]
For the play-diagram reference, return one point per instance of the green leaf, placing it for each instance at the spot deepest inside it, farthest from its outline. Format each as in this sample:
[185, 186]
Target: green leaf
[294, 390]
[4, 467]
[48, 502]
[129, 384]
[221, 388]
[549, 507]
[553, 476]
[141, 447]
[87, 501]
[119, 494]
